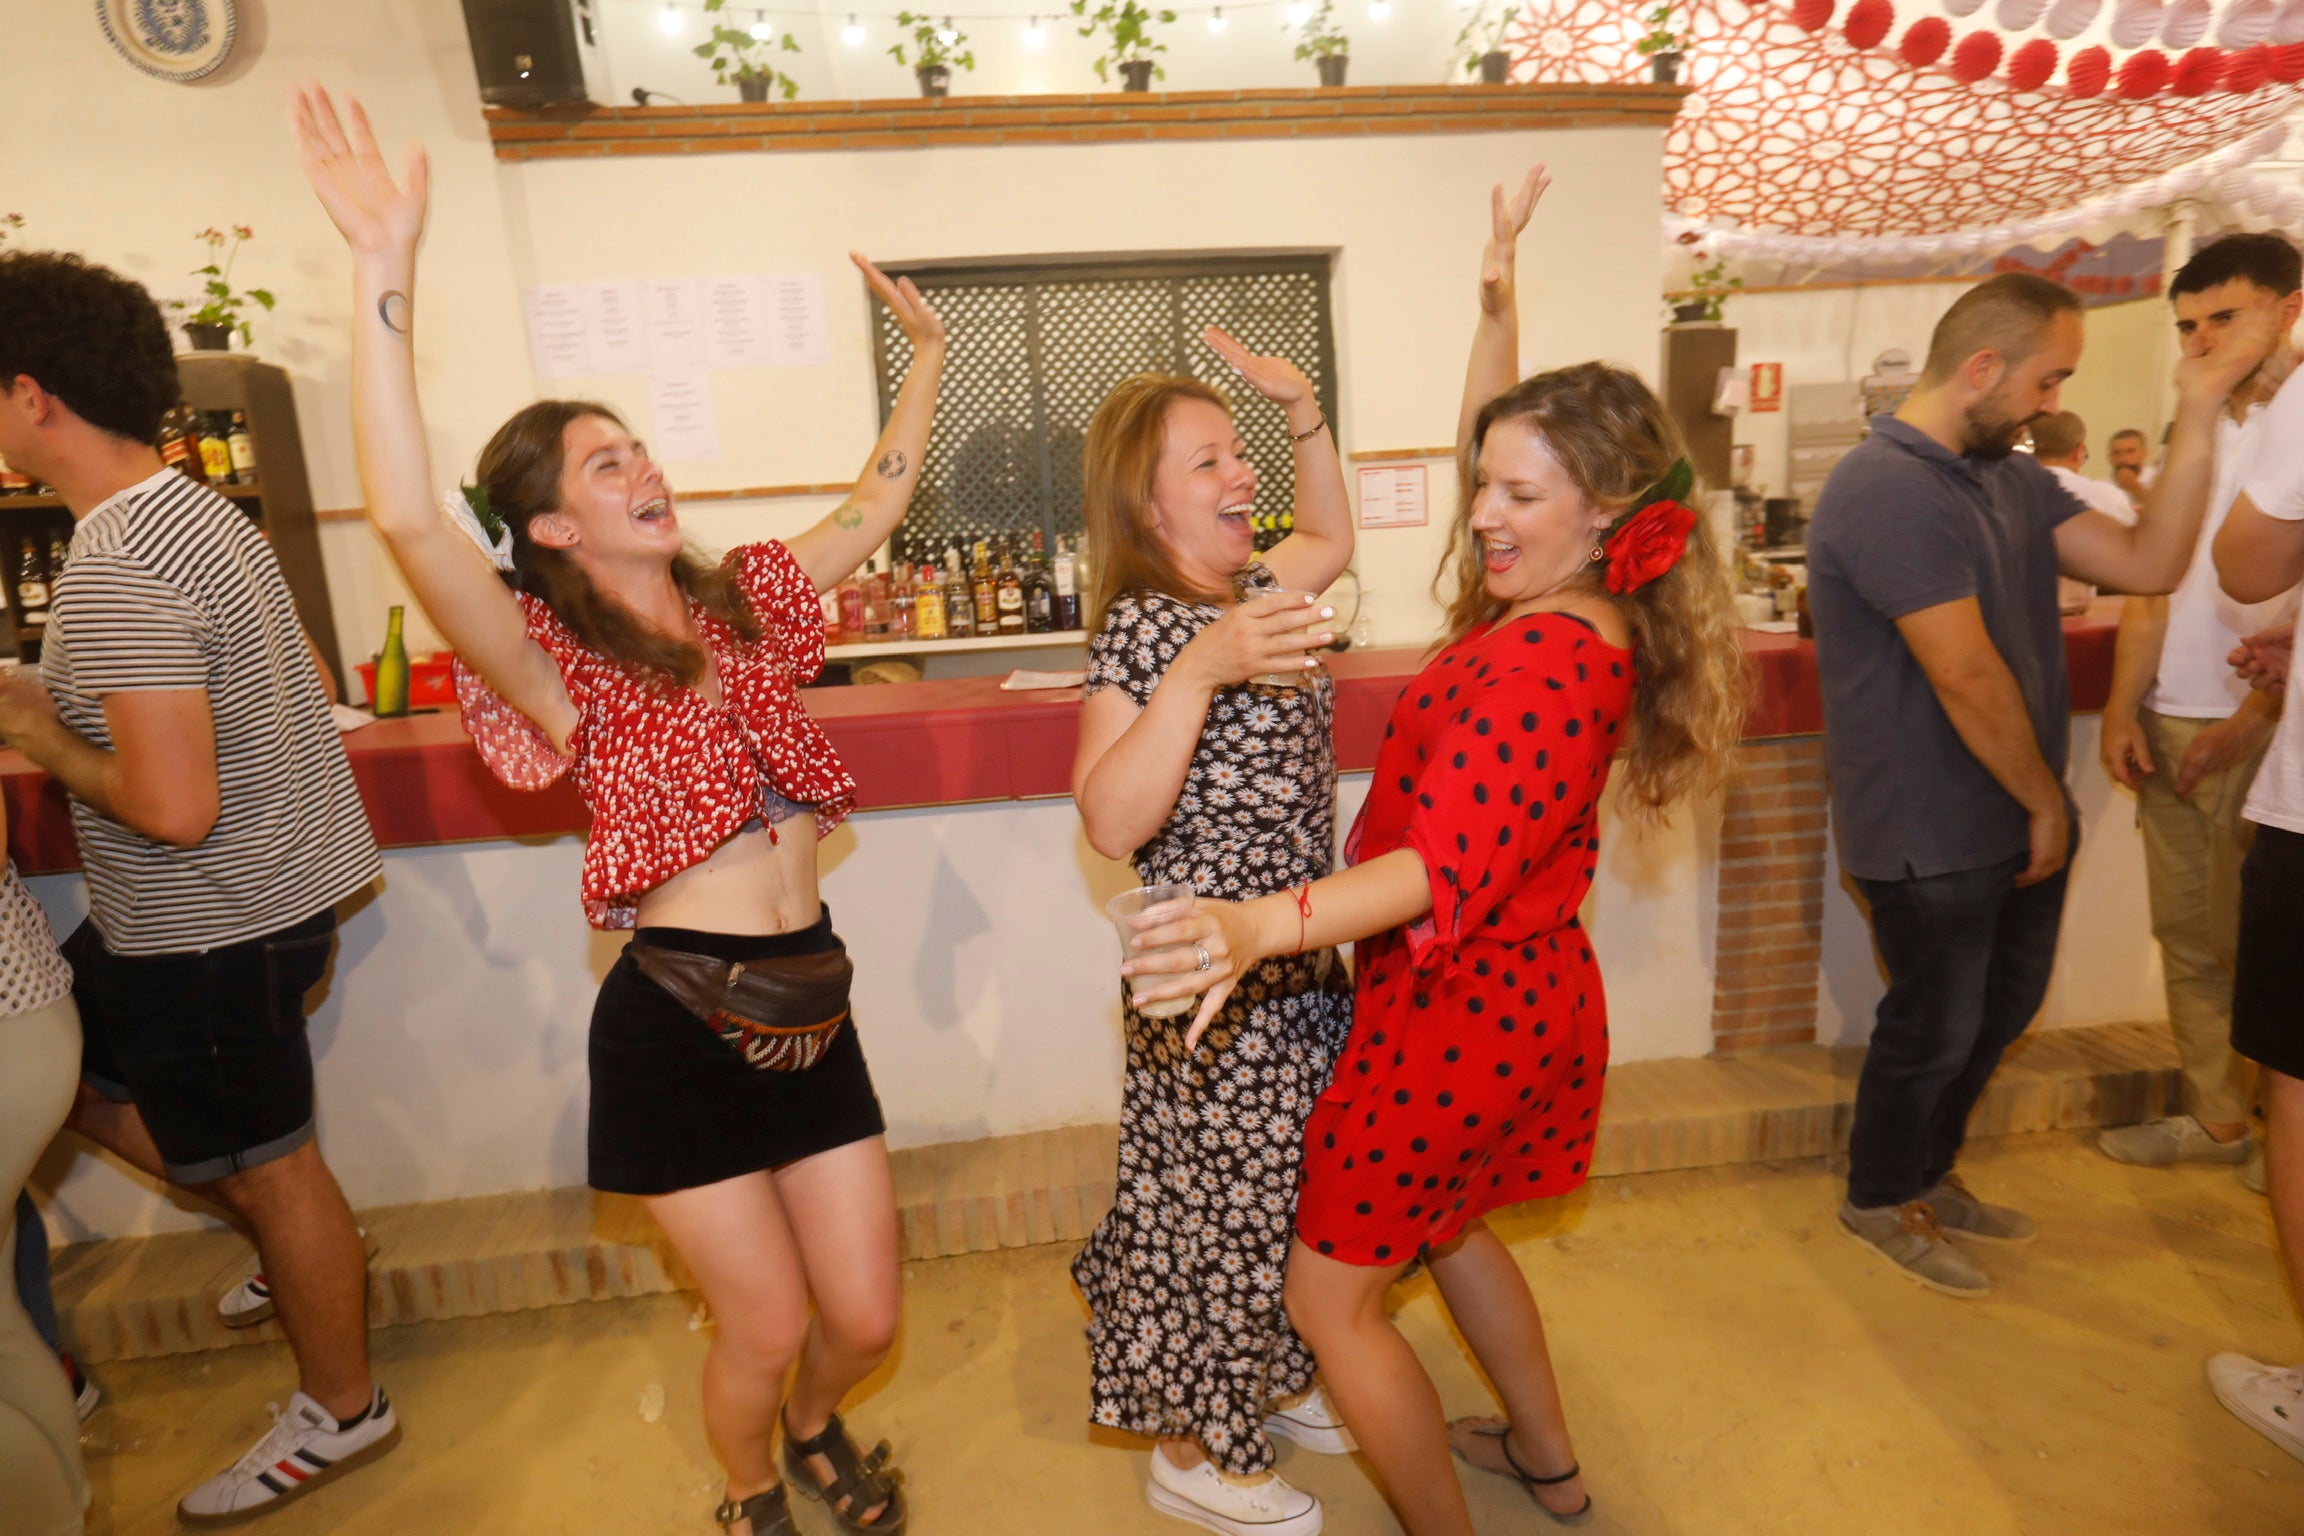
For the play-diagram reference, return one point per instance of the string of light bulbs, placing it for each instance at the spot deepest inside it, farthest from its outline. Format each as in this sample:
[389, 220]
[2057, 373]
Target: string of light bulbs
[673, 18]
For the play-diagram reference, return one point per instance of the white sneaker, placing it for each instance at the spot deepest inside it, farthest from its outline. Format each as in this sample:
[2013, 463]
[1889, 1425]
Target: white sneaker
[2266, 1398]
[249, 1301]
[1207, 1498]
[304, 1448]
[1313, 1423]
[2170, 1140]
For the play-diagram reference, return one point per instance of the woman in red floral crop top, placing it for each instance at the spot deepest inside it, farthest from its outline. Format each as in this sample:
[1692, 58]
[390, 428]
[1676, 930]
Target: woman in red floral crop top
[667, 686]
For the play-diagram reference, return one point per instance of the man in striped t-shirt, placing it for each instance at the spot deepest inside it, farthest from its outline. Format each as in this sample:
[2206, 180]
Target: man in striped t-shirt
[219, 826]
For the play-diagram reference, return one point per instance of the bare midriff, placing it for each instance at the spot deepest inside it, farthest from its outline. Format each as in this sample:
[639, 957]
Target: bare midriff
[762, 880]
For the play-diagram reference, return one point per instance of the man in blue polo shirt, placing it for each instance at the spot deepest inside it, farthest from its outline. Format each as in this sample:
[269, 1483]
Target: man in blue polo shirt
[1933, 559]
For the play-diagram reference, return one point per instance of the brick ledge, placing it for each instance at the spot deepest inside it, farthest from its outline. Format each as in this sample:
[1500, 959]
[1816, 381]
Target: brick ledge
[1108, 117]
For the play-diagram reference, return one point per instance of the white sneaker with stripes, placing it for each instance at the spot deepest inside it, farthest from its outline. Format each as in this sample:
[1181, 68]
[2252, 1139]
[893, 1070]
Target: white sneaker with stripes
[249, 1301]
[304, 1448]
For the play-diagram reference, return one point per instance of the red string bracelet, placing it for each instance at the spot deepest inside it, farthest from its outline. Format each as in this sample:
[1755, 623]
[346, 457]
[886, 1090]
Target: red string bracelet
[1303, 913]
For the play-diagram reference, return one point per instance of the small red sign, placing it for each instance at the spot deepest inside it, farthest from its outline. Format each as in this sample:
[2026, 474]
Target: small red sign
[1767, 387]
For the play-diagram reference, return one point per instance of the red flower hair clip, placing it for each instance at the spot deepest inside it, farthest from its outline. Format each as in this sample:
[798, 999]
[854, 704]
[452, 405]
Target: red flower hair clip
[1648, 545]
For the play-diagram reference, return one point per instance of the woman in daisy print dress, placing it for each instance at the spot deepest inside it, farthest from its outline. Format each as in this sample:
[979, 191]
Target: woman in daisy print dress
[664, 686]
[1590, 619]
[1203, 777]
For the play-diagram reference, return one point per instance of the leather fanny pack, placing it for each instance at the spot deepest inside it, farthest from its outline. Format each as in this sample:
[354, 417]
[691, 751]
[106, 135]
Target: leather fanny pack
[780, 1015]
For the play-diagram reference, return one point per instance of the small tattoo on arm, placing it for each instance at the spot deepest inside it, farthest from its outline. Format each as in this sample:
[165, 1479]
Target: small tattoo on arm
[848, 515]
[392, 309]
[891, 465]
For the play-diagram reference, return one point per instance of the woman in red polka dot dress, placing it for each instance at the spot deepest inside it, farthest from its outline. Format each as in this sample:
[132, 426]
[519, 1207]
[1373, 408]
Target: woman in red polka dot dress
[1591, 619]
[604, 649]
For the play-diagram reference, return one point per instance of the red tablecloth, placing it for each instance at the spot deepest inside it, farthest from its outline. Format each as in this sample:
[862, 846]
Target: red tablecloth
[915, 744]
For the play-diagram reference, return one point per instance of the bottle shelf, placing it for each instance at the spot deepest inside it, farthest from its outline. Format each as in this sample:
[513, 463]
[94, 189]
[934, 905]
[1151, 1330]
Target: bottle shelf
[56, 503]
[866, 650]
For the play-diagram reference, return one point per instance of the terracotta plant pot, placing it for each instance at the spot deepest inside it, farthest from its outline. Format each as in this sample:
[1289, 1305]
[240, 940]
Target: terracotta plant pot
[1136, 75]
[935, 79]
[1664, 68]
[1495, 66]
[208, 338]
[1332, 67]
[753, 87]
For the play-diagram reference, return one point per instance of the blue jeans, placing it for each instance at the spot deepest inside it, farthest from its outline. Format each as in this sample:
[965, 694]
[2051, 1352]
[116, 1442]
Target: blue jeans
[32, 1271]
[1968, 957]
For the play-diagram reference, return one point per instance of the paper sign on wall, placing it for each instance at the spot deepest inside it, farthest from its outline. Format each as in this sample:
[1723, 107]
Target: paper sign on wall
[1393, 495]
[671, 325]
[795, 303]
[1767, 387]
[619, 339]
[686, 425]
[675, 319]
[559, 344]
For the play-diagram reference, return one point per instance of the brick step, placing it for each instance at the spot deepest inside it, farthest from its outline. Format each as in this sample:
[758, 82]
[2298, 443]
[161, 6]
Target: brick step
[131, 1297]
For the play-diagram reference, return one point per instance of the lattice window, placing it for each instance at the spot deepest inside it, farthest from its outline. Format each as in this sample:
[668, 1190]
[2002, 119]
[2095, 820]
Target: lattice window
[1035, 348]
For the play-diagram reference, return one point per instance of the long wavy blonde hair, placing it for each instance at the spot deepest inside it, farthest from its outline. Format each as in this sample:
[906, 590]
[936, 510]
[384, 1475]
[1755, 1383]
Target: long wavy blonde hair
[1613, 436]
[1117, 463]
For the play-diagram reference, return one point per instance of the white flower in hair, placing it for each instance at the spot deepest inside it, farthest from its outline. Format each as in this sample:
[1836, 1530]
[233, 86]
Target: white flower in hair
[467, 507]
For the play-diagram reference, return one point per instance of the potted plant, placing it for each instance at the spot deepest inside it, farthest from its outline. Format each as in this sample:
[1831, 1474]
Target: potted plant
[737, 55]
[936, 47]
[1318, 39]
[9, 223]
[1129, 43]
[1662, 46]
[1481, 42]
[211, 325]
[1707, 294]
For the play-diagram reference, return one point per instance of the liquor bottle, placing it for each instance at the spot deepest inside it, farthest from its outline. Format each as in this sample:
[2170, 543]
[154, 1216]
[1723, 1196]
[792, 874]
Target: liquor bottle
[14, 482]
[31, 586]
[875, 601]
[984, 589]
[1067, 591]
[1039, 591]
[830, 603]
[180, 442]
[851, 593]
[959, 602]
[928, 603]
[391, 670]
[59, 551]
[243, 448]
[215, 452]
[1009, 595]
[1083, 577]
[903, 604]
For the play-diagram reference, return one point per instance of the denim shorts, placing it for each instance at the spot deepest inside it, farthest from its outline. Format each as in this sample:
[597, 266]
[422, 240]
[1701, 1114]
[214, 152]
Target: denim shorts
[209, 1045]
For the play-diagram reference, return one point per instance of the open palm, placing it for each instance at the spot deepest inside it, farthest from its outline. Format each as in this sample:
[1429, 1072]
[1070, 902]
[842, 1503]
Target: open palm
[373, 212]
[1507, 218]
[1275, 378]
[922, 325]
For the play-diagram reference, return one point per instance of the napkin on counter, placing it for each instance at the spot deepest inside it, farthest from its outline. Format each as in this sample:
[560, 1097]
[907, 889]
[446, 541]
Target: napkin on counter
[349, 719]
[1019, 681]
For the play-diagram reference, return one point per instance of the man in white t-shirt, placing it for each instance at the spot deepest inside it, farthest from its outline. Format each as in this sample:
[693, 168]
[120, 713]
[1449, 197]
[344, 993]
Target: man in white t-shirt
[2259, 553]
[2186, 735]
[2060, 442]
[2128, 452]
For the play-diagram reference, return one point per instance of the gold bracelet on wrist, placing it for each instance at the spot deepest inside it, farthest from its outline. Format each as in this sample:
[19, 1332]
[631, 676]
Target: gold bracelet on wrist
[1309, 432]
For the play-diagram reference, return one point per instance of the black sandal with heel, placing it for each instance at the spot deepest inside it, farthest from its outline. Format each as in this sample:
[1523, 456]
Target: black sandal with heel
[858, 1482]
[1530, 1481]
[770, 1513]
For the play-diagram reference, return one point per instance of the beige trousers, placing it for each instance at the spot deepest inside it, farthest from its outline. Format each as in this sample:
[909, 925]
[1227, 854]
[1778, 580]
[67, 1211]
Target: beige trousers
[43, 1486]
[2193, 847]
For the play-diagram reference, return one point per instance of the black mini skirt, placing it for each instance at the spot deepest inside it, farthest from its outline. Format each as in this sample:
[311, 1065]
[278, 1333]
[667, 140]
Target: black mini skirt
[674, 1107]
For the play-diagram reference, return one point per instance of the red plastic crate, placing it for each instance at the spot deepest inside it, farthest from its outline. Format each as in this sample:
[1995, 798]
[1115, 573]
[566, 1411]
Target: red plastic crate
[429, 680]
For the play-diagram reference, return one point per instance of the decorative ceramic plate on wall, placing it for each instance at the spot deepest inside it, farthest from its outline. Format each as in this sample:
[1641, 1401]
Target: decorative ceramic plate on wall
[169, 39]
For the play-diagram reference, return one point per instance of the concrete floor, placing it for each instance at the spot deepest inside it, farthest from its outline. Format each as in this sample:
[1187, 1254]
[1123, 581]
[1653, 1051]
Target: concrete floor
[1734, 1364]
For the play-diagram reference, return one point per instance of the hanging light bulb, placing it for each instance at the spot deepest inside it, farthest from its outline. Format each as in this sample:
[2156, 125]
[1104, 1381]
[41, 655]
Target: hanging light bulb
[1035, 35]
[853, 33]
[1216, 21]
[668, 20]
[1298, 13]
[762, 29]
[947, 34]
[1379, 9]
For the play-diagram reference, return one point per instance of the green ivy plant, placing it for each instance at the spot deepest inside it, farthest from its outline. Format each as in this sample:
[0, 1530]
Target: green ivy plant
[224, 304]
[9, 224]
[1661, 38]
[1127, 28]
[1483, 32]
[735, 54]
[1319, 38]
[929, 48]
[1711, 286]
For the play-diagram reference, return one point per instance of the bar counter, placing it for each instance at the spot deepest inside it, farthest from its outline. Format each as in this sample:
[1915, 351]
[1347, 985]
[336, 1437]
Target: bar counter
[960, 741]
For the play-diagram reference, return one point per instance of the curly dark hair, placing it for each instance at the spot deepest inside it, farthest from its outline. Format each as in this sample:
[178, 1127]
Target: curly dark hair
[92, 338]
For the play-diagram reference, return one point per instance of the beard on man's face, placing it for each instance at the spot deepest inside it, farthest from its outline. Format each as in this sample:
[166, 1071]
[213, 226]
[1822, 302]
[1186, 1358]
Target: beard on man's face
[1991, 430]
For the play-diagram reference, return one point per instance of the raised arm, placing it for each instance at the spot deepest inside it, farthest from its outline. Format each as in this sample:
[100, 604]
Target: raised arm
[1495, 364]
[1316, 553]
[849, 533]
[383, 222]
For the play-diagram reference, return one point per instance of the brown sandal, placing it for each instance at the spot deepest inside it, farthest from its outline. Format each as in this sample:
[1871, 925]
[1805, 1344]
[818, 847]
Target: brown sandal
[858, 1482]
[770, 1513]
[1501, 1434]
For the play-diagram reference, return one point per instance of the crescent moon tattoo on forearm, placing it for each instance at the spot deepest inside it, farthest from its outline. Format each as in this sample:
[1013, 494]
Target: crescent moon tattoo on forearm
[891, 465]
[392, 309]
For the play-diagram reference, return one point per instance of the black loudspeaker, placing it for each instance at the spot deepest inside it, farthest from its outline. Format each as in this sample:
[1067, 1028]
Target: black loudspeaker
[533, 53]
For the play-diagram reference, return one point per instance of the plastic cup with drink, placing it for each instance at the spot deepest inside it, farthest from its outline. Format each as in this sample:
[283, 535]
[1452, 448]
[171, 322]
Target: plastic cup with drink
[1299, 678]
[1148, 906]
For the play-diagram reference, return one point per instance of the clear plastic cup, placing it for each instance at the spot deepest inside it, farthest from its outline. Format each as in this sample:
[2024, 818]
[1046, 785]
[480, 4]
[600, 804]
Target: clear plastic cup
[1148, 906]
[1289, 679]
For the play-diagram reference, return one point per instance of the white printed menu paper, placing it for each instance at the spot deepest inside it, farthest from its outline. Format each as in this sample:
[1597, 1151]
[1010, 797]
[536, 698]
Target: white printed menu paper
[619, 329]
[558, 335]
[736, 331]
[675, 322]
[1393, 495]
[686, 427]
[673, 325]
[799, 337]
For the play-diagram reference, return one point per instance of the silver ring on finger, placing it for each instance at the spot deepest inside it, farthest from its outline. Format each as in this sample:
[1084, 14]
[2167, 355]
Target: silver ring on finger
[1205, 960]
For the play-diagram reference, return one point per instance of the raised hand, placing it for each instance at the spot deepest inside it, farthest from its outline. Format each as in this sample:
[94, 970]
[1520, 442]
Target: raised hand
[1508, 217]
[2244, 346]
[923, 327]
[374, 213]
[1275, 378]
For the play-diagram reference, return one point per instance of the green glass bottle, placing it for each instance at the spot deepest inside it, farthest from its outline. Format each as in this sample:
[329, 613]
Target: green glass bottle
[392, 671]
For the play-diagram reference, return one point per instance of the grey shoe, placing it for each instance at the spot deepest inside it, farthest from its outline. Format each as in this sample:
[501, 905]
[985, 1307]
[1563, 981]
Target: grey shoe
[2170, 1140]
[1963, 1215]
[1909, 1237]
[2252, 1171]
